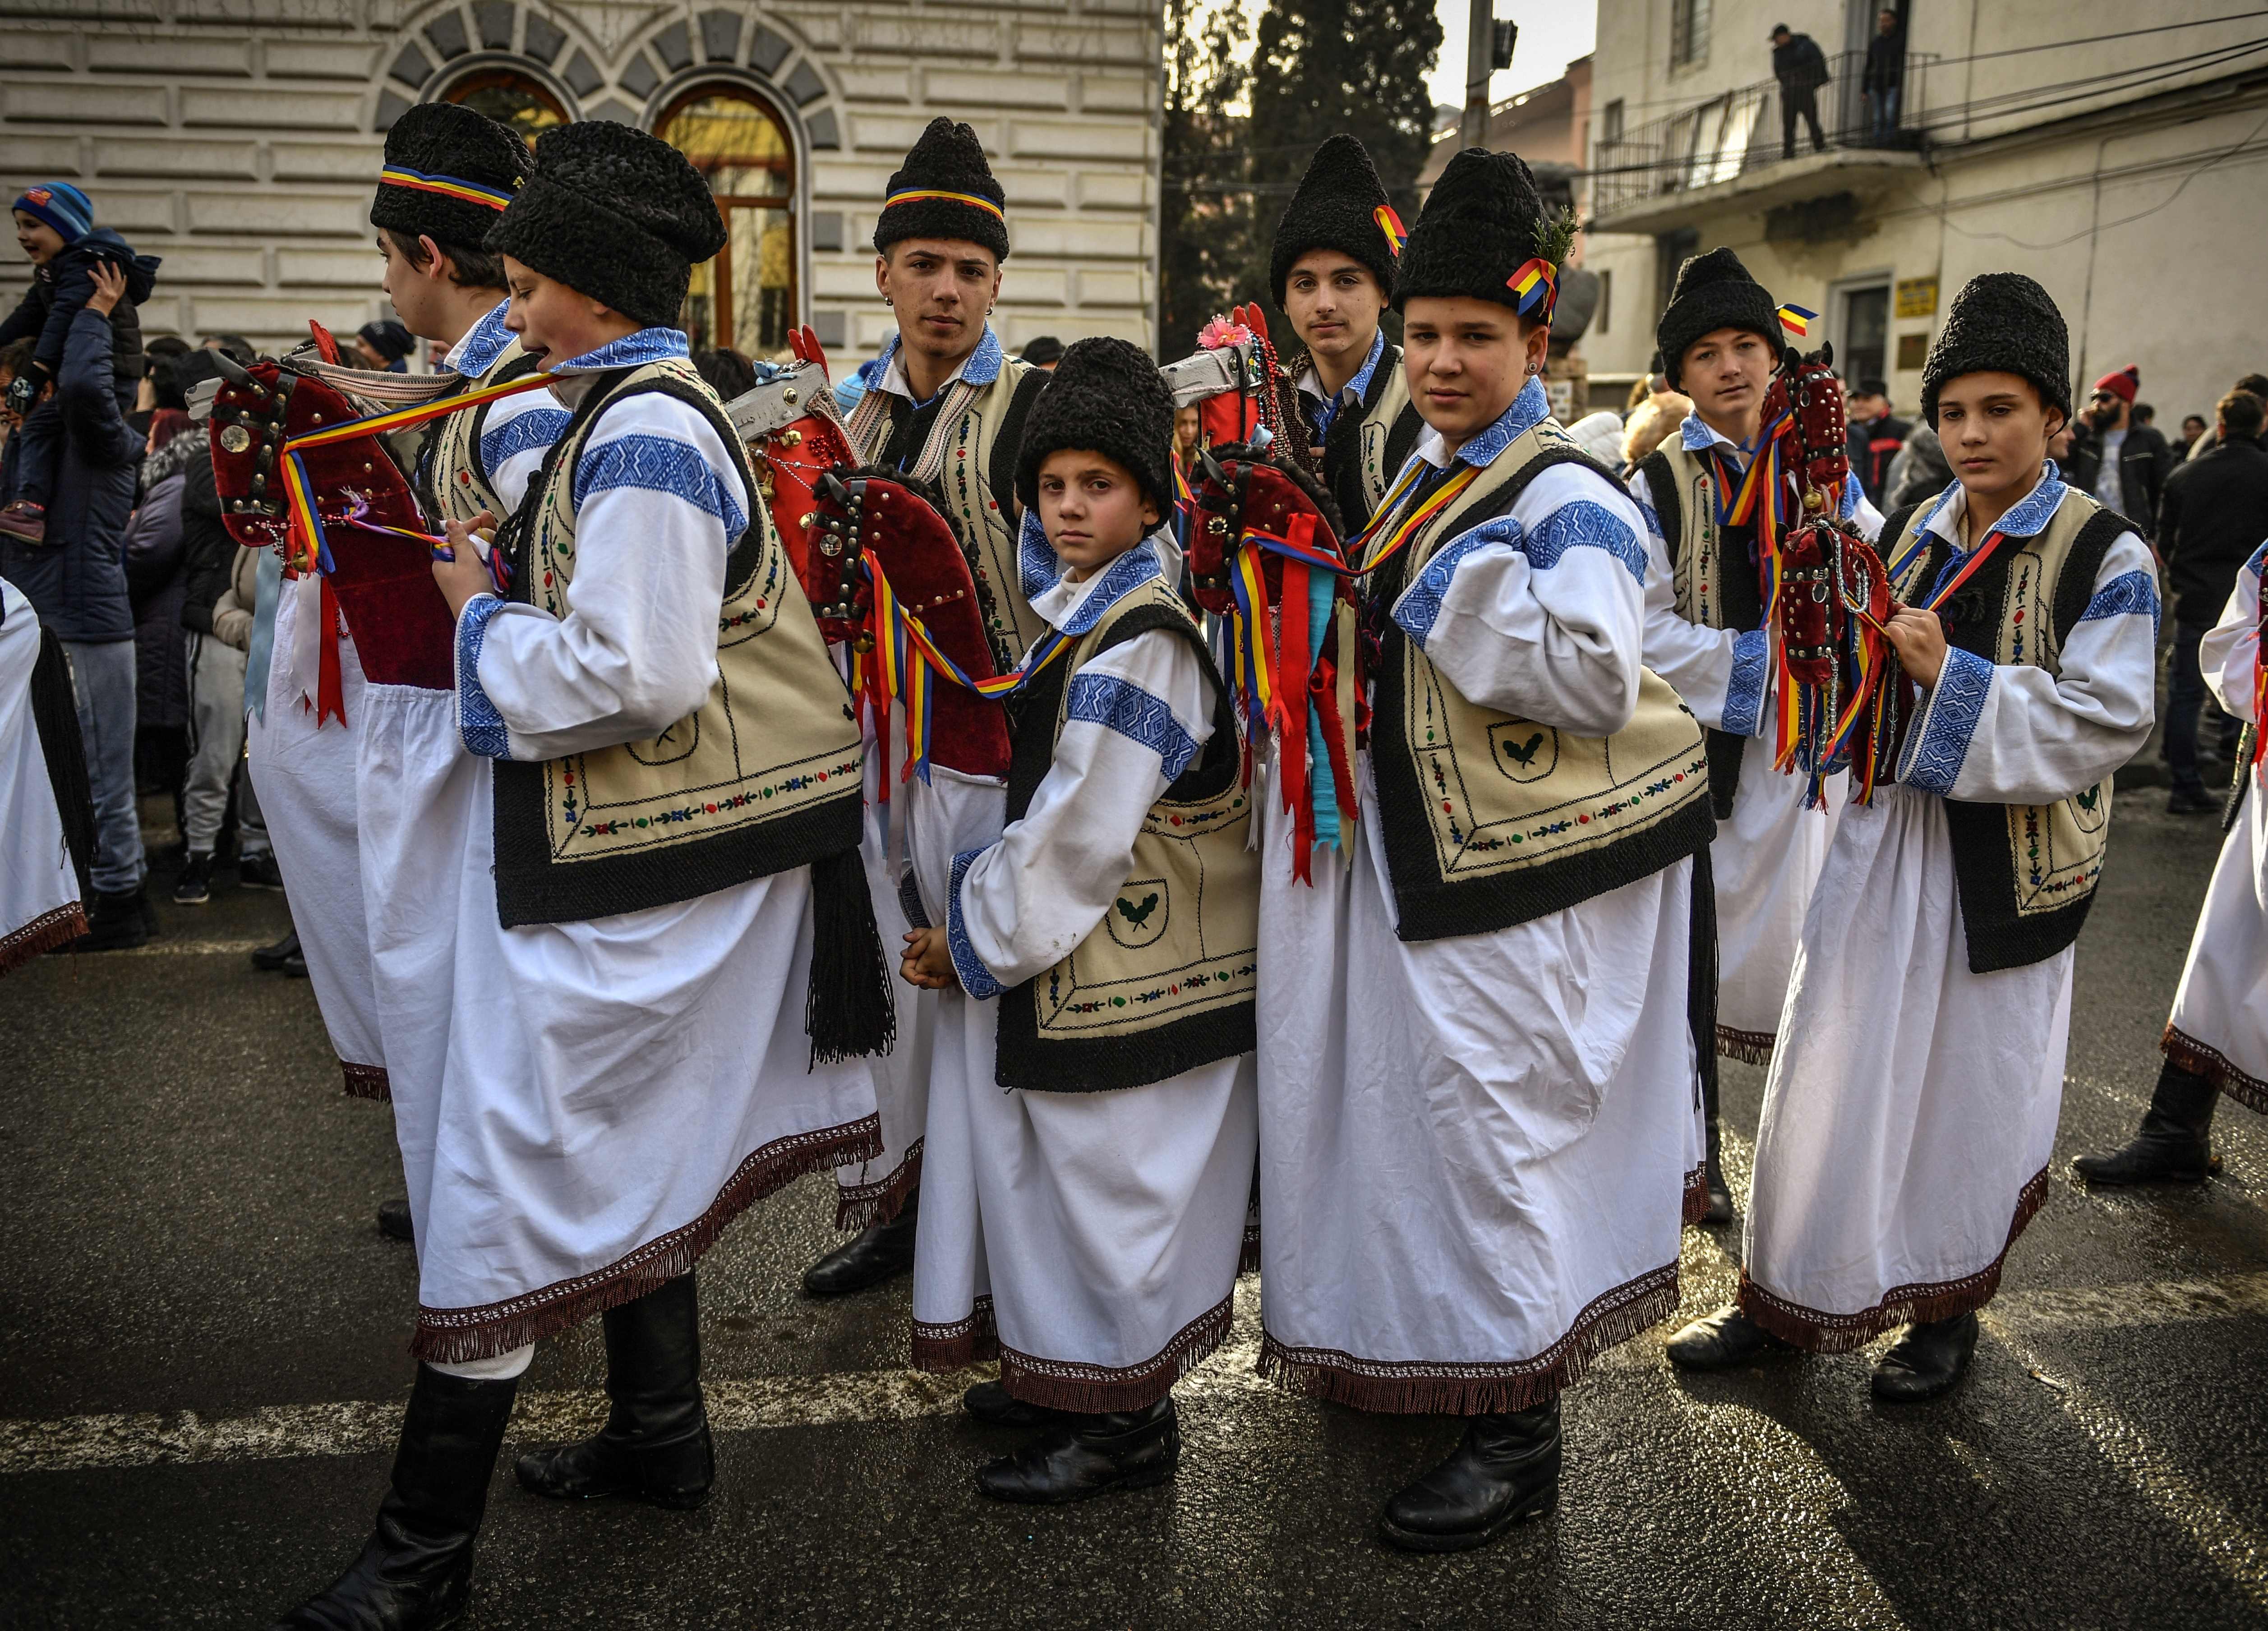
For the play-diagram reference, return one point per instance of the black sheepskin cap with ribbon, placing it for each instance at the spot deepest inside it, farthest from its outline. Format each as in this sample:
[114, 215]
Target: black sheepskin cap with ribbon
[2001, 323]
[614, 214]
[443, 139]
[1479, 227]
[948, 159]
[1337, 208]
[1714, 291]
[1108, 397]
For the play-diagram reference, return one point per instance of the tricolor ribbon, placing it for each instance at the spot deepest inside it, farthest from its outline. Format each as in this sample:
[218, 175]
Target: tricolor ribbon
[1797, 320]
[1390, 224]
[1393, 534]
[1537, 285]
[446, 186]
[916, 195]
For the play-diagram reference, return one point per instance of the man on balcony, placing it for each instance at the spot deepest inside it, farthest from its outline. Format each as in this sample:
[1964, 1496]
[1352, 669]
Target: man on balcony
[1801, 69]
[1883, 77]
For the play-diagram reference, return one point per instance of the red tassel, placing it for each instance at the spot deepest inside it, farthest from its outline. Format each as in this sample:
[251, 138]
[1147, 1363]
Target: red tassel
[330, 689]
[1292, 669]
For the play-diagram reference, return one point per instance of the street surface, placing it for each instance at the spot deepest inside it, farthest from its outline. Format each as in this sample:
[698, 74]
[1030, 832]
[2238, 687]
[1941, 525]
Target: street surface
[201, 1361]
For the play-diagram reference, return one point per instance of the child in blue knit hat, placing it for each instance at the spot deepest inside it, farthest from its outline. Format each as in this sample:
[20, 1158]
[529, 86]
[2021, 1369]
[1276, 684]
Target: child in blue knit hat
[55, 228]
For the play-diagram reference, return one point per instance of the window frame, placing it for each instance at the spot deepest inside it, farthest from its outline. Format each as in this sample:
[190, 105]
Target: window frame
[792, 201]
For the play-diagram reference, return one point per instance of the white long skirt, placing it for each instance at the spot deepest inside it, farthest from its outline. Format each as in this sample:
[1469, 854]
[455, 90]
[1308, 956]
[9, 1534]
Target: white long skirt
[1912, 1106]
[582, 1106]
[1766, 861]
[39, 889]
[2219, 1027]
[306, 779]
[1475, 1152]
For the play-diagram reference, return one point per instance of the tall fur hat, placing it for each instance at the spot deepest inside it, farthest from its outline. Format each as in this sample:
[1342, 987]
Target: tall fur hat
[2003, 323]
[1337, 208]
[1480, 225]
[1714, 291]
[614, 214]
[1106, 395]
[449, 173]
[945, 189]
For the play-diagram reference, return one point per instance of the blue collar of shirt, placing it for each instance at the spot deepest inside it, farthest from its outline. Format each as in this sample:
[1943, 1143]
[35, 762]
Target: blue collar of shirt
[2025, 519]
[1530, 408]
[647, 345]
[981, 367]
[1358, 388]
[485, 342]
[1121, 577]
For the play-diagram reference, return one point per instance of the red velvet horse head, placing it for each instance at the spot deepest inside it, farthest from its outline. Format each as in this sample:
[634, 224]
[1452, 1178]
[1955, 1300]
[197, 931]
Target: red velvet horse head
[795, 435]
[1240, 489]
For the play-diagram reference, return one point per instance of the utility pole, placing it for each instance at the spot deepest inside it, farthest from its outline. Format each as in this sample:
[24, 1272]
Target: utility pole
[1488, 49]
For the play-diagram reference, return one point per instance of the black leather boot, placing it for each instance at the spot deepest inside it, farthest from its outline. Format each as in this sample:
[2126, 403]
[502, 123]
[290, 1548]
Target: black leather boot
[394, 1220]
[1926, 1361]
[874, 1255]
[1506, 1469]
[115, 922]
[1712, 1173]
[2172, 1145]
[1723, 1340]
[990, 1403]
[655, 1446]
[270, 959]
[1089, 1455]
[416, 1572]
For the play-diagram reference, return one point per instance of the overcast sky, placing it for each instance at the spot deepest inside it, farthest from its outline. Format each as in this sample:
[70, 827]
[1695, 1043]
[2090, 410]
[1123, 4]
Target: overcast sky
[1552, 34]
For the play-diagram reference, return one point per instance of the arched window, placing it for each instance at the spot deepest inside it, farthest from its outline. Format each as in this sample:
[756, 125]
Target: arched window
[516, 98]
[745, 297]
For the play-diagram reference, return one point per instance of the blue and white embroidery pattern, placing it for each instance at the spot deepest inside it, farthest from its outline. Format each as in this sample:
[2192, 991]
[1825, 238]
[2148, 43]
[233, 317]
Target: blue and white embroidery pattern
[2259, 557]
[975, 978]
[1653, 520]
[2037, 507]
[1137, 566]
[479, 350]
[1585, 524]
[1038, 564]
[1935, 757]
[1697, 438]
[478, 722]
[1326, 409]
[1420, 605]
[1530, 408]
[2129, 592]
[1118, 705]
[659, 465]
[1744, 692]
[648, 345]
[981, 367]
[538, 427]
[1847, 505]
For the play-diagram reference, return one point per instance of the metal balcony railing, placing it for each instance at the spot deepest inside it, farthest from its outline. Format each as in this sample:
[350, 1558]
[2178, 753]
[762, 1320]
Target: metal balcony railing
[1739, 131]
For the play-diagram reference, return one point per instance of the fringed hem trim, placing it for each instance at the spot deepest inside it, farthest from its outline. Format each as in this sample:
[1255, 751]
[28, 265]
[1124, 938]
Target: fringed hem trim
[1819, 1333]
[1697, 1195]
[367, 1081]
[2203, 1059]
[1452, 1387]
[1064, 1385]
[58, 926]
[1247, 1256]
[862, 1206]
[956, 1345]
[1754, 1048]
[453, 1335]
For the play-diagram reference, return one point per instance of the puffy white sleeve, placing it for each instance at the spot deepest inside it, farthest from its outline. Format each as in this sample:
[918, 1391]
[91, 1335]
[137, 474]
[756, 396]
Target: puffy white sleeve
[2014, 734]
[1541, 613]
[517, 432]
[1136, 717]
[658, 501]
[2230, 652]
[1721, 673]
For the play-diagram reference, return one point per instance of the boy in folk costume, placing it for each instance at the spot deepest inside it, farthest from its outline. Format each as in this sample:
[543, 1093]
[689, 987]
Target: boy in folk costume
[1477, 1090]
[656, 936]
[47, 821]
[1084, 1226]
[948, 406]
[1720, 345]
[1332, 270]
[2216, 1039]
[1919, 1069]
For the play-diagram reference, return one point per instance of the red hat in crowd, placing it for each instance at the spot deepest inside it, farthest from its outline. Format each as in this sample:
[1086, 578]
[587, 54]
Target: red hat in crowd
[2125, 383]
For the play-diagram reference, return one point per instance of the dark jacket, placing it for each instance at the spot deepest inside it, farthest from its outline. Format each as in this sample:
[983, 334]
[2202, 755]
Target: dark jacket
[60, 291]
[207, 549]
[2213, 517]
[2145, 462]
[157, 582]
[1886, 62]
[74, 580]
[1872, 447]
[1798, 65]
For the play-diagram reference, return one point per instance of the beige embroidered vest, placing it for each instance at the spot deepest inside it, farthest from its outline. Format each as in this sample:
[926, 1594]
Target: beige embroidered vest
[453, 480]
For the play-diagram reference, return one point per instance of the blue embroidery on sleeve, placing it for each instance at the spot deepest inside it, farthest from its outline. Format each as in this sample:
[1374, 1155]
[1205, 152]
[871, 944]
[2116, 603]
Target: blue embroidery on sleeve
[1117, 705]
[538, 427]
[477, 719]
[1585, 523]
[2129, 592]
[1934, 758]
[1420, 605]
[1744, 692]
[975, 978]
[1653, 520]
[659, 464]
[1037, 565]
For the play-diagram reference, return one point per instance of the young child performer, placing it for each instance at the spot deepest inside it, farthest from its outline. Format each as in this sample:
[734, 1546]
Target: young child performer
[1479, 1108]
[945, 404]
[1332, 269]
[2216, 1039]
[1720, 345]
[1918, 1069]
[1085, 1225]
[658, 949]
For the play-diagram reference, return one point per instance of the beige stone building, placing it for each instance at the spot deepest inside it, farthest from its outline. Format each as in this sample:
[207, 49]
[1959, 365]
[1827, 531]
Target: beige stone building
[2110, 152]
[240, 139]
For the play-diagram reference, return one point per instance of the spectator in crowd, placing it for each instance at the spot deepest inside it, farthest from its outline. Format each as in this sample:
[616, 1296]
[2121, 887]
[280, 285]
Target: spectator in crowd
[728, 372]
[2255, 385]
[1875, 436]
[1800, 67]
[2122, 463]
[1044, 352]
[2193, 426]
[2213, 515]
[1883, 79]
[384, 345]
[164, 349]
[1917, 470]
[2145, 415]
[76, 583]
[236, 345]
[157, 582]
[1188, 435]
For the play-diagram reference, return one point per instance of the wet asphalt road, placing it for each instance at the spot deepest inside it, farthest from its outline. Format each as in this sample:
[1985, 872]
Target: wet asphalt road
[200, 1333]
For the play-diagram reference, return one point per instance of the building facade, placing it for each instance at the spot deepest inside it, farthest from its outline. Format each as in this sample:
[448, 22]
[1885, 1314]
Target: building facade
[2114, 154]
[240, 139]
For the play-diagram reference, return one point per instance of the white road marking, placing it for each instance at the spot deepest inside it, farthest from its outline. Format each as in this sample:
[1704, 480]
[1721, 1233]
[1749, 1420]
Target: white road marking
[170, 947]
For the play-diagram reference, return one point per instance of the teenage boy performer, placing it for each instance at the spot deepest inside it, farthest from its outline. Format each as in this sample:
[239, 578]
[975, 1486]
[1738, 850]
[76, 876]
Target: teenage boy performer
[1332, 269]
[1478, 1097]
[1720, 345]
[2216, 1039]
[1918, 1069]
[661, 951]
[948, 406]
[1084, 1226]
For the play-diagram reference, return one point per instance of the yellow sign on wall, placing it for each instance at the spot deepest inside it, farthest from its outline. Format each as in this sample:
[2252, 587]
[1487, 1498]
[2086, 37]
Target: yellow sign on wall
[1916, 296]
